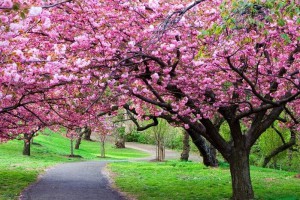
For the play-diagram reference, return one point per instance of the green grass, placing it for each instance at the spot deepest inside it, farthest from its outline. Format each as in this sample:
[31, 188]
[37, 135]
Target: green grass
[18, 171]
[176, 180]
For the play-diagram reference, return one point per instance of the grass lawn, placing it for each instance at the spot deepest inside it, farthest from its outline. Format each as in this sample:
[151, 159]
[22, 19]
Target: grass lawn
[18, 171]
[176, 180]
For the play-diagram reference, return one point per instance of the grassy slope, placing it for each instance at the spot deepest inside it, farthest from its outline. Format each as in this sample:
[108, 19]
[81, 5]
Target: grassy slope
[18, 171]
[178, 180]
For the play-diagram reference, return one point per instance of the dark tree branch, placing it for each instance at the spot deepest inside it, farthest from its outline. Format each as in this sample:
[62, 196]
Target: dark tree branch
[171, 20]
[259, 126]
[280, 149]
[56, 4]
[142, 128]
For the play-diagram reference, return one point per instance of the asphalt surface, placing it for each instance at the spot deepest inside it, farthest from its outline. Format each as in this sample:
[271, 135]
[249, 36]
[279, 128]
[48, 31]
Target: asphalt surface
[169, 154]
[73, 181]
[85, 180]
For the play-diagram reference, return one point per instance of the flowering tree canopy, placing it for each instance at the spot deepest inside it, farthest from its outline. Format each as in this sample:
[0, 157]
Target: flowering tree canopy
[193, 62]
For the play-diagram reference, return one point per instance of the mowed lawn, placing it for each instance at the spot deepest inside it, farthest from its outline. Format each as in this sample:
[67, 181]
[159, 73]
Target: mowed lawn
[176, 180]
[18, 171]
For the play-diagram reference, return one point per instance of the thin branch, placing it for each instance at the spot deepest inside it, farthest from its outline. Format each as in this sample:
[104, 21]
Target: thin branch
[280, 149]
[142, 128]
[98, 99]
[241, 74]
[56, 4]
[171, 21]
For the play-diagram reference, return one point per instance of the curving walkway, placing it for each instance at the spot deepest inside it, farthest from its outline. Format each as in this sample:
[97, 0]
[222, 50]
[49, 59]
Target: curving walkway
[151, 149]
[84, 180]
[73, 181]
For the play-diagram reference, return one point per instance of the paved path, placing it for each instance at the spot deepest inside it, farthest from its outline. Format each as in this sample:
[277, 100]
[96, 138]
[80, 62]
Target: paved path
[151, 149]
[84, 180]
[73, 181]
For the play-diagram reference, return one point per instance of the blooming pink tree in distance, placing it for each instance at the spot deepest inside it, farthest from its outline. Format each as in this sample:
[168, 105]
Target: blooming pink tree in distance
[190, 62]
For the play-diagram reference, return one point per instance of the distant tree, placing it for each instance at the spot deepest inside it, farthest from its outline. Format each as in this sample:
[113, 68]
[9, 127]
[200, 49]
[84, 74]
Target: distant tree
[71, 134]
[27, 139]
[87, 133]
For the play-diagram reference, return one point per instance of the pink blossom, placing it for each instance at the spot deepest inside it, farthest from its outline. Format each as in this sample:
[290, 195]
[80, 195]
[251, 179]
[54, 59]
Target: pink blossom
[35, 11]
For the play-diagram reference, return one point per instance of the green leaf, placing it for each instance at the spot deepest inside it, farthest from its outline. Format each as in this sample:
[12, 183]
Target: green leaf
[205, 32]
[281, 22]
[286, 38]
[16, 7]
[218, 30]
[268, 18]
[22, 14]
[281, 4]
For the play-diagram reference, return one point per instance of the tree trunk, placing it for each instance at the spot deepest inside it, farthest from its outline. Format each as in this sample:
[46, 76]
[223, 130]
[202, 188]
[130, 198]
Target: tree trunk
[186, 147]
[87, 133]
[102, 149]
[209, 159]
[160, 147]
[78, 141]
[71, 148]
[240, 175]
[161, 151]
[120, 142]
[158, 151]
[213, 153]
[27, 143]
[26, 148]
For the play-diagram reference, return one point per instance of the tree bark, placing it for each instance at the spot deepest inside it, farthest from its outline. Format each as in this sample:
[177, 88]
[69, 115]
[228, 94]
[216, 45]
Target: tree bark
[27, 143]
[71, 148]
[120, 144]
[202, 145]
[87, 133]
[120, 141]
[26, 148]
[78, 140]
[102, 149]
[240, 175]
[186, 147]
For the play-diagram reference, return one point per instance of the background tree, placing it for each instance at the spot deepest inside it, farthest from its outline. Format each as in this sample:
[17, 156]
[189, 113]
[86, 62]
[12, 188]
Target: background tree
[27, 138]
[159, 133]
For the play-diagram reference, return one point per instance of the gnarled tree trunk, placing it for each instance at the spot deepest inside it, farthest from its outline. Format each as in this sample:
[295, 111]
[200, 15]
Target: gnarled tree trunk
[240, 174]
[209, 159]
[186, 147]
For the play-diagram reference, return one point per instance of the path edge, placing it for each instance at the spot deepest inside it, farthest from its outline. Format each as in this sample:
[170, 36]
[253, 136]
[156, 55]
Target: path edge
[38, 179]
[109, 175]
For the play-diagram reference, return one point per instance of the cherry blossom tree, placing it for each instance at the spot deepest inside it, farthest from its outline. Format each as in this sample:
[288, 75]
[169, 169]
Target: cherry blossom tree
[190, 62]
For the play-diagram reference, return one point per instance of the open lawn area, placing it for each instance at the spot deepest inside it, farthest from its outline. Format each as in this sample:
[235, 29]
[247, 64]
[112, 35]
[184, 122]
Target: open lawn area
[186, 180]
[18, 171]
